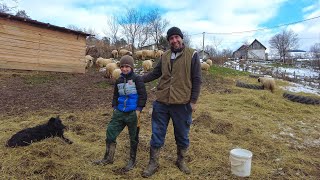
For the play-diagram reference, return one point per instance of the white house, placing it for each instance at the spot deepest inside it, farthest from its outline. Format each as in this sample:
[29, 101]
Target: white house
[255, 51]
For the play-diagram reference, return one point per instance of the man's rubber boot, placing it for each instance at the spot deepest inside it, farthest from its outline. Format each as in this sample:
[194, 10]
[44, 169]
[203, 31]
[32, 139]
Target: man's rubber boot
[181, 156]
[153, 162]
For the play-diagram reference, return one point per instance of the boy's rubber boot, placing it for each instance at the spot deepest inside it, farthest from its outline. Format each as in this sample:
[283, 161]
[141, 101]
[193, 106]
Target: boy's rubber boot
[108, 156]
[132, 161]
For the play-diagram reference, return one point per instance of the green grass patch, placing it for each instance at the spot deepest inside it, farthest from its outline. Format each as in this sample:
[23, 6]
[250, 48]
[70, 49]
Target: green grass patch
[35, 79]
[223, 71]
[282, 65]
[102, 84]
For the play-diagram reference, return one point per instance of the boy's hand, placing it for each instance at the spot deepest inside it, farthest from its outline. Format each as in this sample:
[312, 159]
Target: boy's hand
[138, 114]
[138, 118]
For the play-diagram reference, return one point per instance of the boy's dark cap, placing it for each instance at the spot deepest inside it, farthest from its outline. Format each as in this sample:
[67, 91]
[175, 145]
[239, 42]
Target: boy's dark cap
[127, 60]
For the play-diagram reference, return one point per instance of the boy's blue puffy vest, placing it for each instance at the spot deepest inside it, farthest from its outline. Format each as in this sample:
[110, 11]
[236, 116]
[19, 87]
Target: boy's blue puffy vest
[128, 96]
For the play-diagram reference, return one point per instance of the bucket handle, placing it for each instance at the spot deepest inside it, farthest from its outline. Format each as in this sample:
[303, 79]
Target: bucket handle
[234, 163]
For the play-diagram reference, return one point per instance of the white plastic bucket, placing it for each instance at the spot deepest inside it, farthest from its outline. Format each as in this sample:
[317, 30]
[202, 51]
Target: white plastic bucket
[240, 160]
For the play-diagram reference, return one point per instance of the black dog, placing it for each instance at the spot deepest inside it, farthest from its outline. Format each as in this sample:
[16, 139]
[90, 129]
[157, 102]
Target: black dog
[25, 137]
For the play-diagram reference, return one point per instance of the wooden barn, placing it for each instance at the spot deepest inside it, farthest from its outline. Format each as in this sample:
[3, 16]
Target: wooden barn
[27, 44]
[254, 51]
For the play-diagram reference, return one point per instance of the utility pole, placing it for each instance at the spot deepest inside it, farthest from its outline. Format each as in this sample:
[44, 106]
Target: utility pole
[203, 46]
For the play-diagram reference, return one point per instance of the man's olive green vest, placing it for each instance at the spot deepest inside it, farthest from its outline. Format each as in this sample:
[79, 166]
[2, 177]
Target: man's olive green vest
[175, 85]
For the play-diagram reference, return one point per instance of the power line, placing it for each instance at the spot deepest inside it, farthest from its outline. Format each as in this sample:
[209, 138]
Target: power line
[261, 29]
[195, 34]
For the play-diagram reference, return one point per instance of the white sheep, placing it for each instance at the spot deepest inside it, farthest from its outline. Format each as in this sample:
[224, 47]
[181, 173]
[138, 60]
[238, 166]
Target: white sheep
[147, 65]
[138, 54]
[101, 62]
[110, 68]
[115, 53]
[148, 54]
[205, 66]
[158, 54]
[116, 74]
[209, 61]
[123, 52]
[89, 61]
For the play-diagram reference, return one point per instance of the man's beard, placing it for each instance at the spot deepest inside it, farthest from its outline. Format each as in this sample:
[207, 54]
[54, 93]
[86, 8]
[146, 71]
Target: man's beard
[177, 49]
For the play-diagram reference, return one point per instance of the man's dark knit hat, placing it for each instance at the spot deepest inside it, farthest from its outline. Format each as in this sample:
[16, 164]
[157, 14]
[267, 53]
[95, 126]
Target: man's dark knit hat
[174, 31]
[127, 60]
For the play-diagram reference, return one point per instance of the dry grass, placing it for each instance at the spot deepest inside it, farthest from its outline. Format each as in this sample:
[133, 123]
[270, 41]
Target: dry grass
[283, 136]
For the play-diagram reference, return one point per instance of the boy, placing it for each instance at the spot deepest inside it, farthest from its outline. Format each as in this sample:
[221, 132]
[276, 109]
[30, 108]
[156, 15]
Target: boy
[129, 98]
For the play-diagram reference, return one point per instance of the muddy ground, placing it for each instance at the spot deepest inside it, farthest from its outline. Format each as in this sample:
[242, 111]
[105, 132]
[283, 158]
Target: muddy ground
[30, 91]
[24, 91]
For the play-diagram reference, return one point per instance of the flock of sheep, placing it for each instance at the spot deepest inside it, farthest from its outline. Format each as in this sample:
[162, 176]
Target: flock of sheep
[111, 65]
[206, 65]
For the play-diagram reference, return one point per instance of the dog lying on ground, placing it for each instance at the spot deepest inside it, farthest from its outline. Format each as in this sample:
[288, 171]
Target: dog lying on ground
[25, 137]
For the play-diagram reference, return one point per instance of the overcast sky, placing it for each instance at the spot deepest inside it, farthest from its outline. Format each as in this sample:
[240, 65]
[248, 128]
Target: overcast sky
[193, 16]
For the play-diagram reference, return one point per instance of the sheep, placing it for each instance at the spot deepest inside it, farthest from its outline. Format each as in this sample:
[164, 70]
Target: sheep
[148, 54]
[115, 53]
[209, 61]
[147, 65]
[123, 52]
[101, 62]
[158, 54]
[268, 83]
[116, 74]
[89, 61]
[110, 68]
[205, 66]
[138, 54]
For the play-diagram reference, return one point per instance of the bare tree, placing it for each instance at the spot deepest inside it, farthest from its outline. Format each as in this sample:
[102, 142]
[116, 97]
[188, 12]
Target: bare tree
[211, 50]
[283, 42]
[315, 50]
[113, 24]
[226, 53]
[90, 31]
[158, 25]
[213, 47]
[163, 43]
[74, 27]
[121, 42]
[143, 35]
[246, 42]
[5, 8]
[91, 40]
[186, 38]
[216, 43]
[23, 14]
[132, 22]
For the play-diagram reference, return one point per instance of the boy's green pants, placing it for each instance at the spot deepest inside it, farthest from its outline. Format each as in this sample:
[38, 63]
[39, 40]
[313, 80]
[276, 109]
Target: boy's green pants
[118, 122]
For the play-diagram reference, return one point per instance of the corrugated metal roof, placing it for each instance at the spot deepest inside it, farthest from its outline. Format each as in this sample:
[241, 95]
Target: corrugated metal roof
[41, 24]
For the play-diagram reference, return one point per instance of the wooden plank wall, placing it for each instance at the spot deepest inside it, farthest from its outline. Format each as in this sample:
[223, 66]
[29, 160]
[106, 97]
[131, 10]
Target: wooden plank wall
[28, 47]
